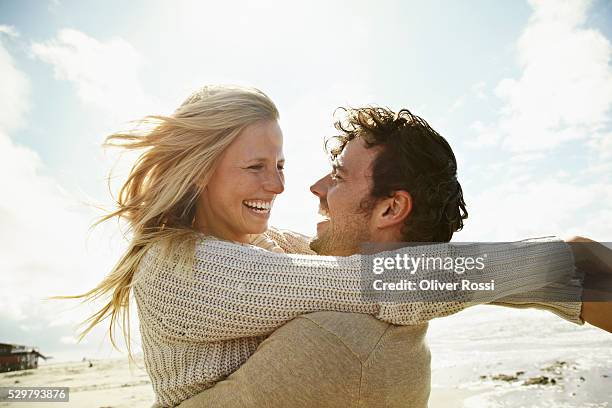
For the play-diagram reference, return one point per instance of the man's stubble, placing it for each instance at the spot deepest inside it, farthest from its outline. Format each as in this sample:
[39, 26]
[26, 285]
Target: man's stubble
[344, 236]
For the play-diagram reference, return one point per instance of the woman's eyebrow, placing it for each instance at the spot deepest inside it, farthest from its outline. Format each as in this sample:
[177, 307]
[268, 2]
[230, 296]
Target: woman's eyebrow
[263, 159]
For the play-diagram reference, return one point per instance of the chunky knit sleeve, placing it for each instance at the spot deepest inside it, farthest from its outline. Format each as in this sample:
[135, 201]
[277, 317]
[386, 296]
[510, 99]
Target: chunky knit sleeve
[564, 300]
[291, 242]
[236, 291]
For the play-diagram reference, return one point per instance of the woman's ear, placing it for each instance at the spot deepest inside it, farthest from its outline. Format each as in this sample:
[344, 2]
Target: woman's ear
[393, 211]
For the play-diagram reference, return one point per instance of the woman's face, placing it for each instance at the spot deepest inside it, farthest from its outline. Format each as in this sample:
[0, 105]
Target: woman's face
[238, 198]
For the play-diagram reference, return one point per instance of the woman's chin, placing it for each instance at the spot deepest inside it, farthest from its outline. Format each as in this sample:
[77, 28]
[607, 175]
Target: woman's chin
[263, 228]
[257, 221]
[258, 228]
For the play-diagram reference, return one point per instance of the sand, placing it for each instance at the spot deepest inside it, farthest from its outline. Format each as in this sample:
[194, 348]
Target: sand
[482, 357]
[108, 383]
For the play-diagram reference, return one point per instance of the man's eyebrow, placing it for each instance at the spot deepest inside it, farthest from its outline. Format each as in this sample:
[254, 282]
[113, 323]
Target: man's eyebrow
[339, 168]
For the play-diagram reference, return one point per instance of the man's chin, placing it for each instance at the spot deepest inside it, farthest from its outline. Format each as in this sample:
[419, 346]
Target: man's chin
[322, 227]
[319, 244]
[314, 244]
[326, 245]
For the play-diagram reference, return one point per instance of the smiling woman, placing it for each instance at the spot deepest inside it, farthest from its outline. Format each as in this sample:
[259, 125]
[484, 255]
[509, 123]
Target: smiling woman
[210, 278]
[253, 166]
[198, 169]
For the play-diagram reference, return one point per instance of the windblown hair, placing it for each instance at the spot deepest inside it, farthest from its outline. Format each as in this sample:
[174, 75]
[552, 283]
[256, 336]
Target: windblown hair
[413, 158]
[179, 155]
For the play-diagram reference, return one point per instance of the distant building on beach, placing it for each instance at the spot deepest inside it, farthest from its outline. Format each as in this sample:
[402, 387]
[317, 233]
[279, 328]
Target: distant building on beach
[15, 357]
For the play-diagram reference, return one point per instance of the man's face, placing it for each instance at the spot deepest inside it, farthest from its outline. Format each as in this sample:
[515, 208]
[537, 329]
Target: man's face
[345, 226]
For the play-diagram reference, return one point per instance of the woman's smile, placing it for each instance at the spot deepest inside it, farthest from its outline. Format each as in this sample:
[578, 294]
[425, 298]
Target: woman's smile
[260, 208]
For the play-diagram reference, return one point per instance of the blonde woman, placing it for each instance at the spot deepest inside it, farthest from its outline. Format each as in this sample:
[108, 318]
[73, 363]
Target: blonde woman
[211, 279]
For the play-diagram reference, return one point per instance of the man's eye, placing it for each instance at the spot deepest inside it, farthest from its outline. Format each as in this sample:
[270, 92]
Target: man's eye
[256, 167]
[281, 167]
[336, 177]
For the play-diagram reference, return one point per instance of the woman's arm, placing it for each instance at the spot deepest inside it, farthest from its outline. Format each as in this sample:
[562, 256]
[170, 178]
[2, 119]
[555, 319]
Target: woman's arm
[562, 300]
[598, 314]
[594, 295]
[238, 291]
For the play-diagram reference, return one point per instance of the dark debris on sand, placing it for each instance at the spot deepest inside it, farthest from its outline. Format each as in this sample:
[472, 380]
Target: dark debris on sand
[554, 374]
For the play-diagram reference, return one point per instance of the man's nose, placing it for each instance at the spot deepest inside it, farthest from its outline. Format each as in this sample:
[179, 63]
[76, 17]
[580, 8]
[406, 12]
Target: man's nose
[320, 187]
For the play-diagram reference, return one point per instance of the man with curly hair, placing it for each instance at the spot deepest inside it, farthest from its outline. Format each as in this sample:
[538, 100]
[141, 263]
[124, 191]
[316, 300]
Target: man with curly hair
[394, 179]
[390, 163]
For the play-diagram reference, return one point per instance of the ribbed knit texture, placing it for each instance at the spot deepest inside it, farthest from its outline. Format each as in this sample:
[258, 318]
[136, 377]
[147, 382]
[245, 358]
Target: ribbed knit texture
[199, 326]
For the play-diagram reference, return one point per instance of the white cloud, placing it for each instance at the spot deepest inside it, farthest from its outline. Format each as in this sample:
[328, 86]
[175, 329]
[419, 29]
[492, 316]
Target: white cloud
[106, 74]
[303, 146]
[458, 104]
[479, 90]
[71, 340]
[602, 146]
[530, 208]
[483, 135]
[522, 158]
[15, 90]
[564, 91]
[8, 30]
[43, 231]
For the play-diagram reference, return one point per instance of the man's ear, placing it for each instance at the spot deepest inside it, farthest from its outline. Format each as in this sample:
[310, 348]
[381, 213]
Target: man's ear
[394, 210]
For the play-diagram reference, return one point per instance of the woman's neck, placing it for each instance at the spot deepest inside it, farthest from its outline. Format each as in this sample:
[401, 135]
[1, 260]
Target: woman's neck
[206, 226]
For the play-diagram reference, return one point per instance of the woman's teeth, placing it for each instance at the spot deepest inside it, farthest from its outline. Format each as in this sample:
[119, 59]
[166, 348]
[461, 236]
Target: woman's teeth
[259, 206]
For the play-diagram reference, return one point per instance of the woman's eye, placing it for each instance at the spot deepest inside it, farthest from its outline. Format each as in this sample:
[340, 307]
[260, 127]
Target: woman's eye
[280, 167]
[336, 177]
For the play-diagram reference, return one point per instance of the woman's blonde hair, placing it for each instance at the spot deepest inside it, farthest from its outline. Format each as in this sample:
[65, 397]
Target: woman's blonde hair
[180, 153]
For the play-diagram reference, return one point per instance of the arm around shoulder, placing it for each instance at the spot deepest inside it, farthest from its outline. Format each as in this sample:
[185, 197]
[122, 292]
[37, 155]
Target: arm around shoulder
[238, 291]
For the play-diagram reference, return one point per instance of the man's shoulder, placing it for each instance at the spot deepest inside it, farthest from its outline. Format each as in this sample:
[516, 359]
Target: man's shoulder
[358, 332]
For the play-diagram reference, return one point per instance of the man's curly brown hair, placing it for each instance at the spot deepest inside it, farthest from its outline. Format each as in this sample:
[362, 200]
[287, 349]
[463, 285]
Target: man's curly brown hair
[413, 158]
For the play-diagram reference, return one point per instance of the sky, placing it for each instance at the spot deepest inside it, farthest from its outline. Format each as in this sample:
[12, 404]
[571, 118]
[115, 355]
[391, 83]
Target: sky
[521, 90]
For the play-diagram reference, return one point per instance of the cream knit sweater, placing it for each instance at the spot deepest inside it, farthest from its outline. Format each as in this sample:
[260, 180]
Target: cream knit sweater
[199, 327]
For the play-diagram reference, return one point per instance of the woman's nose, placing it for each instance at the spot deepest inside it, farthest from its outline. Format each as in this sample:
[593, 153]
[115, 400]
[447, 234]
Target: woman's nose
[275, 182]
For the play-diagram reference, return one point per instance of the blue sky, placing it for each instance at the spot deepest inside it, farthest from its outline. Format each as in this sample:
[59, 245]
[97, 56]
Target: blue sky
[522, 91]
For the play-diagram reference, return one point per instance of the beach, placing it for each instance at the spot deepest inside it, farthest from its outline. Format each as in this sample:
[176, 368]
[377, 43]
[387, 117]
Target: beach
[490, 356]
[483, 357]
[107, 383]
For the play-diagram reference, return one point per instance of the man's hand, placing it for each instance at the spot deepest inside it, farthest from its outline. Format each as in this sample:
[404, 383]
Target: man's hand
[595, 260]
